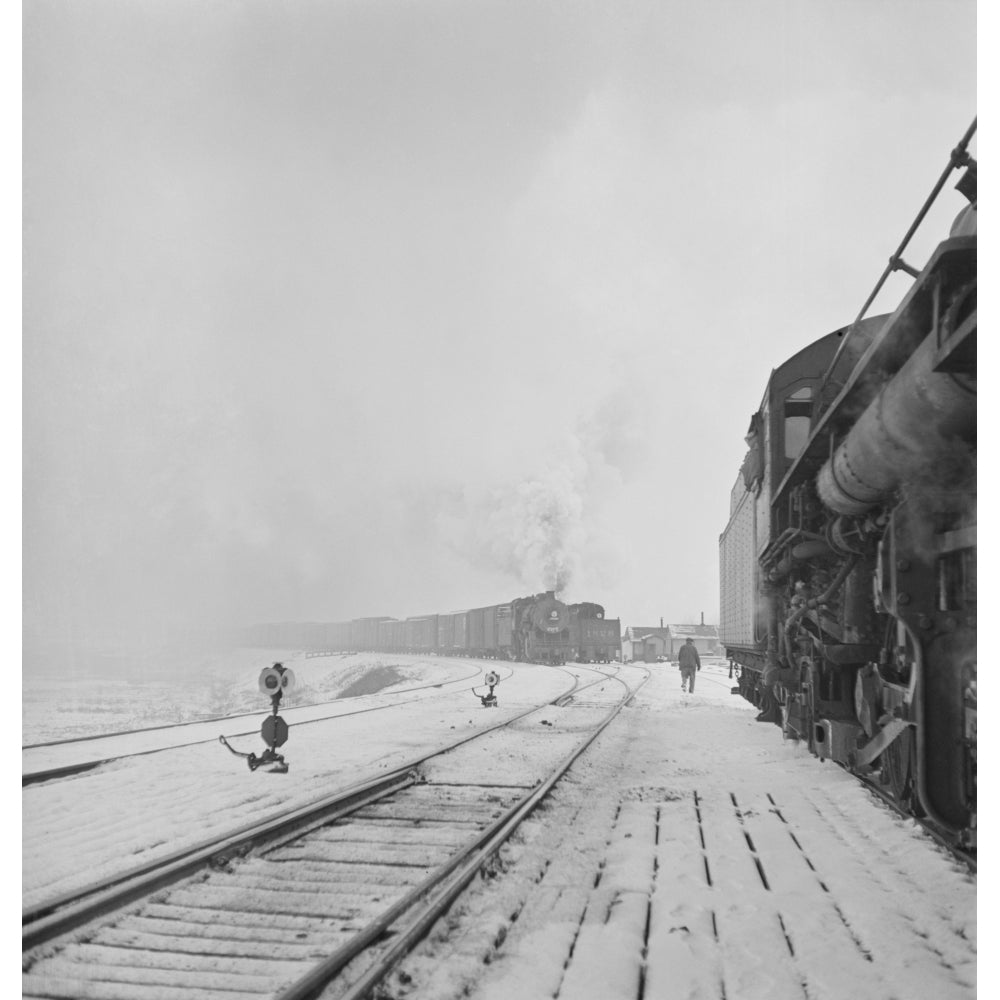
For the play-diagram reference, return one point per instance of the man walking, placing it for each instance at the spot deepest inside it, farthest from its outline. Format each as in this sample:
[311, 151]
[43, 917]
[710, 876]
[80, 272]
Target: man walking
[690, 662]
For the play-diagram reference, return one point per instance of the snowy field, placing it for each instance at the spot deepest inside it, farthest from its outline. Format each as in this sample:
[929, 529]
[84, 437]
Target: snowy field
[193, 687]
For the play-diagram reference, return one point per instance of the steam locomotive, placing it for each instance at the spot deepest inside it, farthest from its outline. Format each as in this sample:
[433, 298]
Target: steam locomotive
[848, 565]
[536, 629]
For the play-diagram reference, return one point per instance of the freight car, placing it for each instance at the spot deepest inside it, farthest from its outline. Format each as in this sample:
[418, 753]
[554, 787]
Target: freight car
[848, 565]
[536, 629]
[530, 629]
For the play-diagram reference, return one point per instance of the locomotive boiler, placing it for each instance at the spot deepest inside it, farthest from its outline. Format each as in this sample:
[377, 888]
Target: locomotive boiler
[848, 565]
[541, 631]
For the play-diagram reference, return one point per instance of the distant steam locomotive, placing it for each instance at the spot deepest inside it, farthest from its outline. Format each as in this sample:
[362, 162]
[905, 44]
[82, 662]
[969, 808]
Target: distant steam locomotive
[848, 566]
[538, 629]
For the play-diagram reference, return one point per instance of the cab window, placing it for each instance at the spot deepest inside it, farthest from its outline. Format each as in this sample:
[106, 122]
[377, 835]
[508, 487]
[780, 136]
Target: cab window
[798, 414]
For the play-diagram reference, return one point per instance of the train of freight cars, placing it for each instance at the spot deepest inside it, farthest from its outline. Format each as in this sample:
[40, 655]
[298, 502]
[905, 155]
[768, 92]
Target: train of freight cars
[848, 565]
[536, 629]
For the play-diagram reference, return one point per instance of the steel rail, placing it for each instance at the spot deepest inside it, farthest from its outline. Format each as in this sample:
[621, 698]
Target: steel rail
[50, 919]
[237, 715]
[451, 878]
[959, 853]
[59, 914]
[36, 777]
[563, 701]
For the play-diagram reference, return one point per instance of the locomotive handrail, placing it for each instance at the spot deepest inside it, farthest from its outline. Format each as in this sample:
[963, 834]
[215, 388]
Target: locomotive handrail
[959, 158]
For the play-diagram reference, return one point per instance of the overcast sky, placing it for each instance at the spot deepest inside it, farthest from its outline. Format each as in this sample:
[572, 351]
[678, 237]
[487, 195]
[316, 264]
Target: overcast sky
[347, 308]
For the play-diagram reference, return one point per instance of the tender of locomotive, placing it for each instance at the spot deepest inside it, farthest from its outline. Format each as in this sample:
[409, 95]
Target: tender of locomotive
[593, 638]
[848, 565]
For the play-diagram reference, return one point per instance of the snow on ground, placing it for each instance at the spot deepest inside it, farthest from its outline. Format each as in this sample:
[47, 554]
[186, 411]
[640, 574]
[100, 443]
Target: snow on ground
[78, 829]
[184, 688]
[341, 687]
[690, 852]
[639, 878]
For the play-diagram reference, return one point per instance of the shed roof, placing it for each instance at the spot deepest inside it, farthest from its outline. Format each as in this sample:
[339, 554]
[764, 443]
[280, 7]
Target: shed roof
[694, 631]
[634, 632]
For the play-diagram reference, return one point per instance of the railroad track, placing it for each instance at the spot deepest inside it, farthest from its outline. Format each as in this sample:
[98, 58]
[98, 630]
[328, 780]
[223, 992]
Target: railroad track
[65, 910]
[32, 777]
[962, 855]
[577, 689]
[337, 896]
[84, 828]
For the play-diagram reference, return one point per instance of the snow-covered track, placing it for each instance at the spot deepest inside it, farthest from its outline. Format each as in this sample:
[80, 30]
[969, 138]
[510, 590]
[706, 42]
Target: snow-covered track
[960, 854]
[112, 819]
[579, 688]
[315, 906]
[97, 750]
[56, 916]
[52, 773]
[239, 715]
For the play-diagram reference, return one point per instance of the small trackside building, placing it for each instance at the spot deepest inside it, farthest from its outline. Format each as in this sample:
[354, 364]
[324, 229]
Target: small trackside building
[706, 639]
[645, 643]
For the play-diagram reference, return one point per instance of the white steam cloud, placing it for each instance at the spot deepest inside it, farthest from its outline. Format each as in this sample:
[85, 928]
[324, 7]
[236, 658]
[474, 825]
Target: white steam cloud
[551, 530]
[536, 531]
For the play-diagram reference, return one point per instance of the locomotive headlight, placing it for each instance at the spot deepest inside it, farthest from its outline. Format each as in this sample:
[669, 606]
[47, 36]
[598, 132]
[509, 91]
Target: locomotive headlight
[550, 616]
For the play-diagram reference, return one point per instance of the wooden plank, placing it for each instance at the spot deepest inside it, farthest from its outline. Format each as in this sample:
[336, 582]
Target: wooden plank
[363, 873]
[757, 962]
[630, 857]
[261, 904]
[814, 922]
[382, 833]
[50, 987]
[85, 971]
[415, 855]
[683, 957]
[233, 921]
[204, 944]
[102, 958]
[531, 967]
[607, 955]
[263, 934]
[934, 959]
